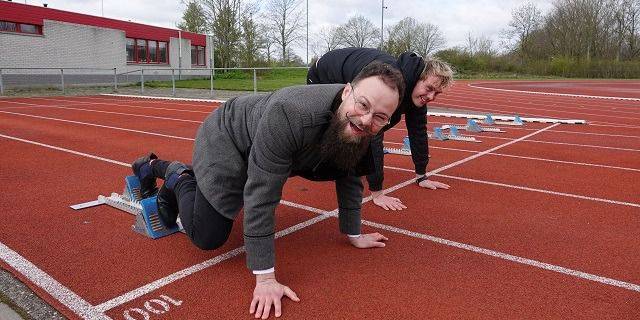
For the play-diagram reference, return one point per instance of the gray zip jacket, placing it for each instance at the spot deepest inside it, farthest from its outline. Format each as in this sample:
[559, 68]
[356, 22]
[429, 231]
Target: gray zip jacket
[246, 149]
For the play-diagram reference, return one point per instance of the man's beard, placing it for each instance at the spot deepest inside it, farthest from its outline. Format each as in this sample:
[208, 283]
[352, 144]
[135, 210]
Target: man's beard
[344, 152]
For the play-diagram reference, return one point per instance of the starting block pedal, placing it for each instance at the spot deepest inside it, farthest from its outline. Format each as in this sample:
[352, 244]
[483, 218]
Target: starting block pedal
[405, 151]
[453, 135]
[488, 120]
[147, 220]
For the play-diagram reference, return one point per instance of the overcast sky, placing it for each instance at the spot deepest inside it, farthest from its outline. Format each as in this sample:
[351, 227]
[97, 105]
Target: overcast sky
[456, 18]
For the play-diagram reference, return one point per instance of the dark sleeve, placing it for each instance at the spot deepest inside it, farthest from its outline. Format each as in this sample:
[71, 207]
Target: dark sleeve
[416, 119]
[268, 168]
[376, 178]
[349, 192]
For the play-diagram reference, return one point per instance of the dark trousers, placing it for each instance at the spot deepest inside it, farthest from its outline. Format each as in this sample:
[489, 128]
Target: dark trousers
[205, 226]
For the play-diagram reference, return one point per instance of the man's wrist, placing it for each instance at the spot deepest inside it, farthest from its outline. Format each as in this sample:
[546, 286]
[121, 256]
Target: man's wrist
[265, 277]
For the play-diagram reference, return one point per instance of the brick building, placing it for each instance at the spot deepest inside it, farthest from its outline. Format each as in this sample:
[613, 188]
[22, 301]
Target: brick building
[37, 36]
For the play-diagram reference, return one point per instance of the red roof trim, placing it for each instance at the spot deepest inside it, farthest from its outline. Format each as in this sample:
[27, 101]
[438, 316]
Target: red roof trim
[23, 13]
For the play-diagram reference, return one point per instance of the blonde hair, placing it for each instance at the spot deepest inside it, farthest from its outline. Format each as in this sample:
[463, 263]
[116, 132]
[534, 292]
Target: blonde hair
[433, 66]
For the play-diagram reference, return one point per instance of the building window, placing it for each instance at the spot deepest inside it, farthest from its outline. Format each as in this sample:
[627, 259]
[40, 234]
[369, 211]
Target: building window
[131, 50]
[146, 51]
[162, 52]
[153, 51]
[20, 27]
[141, 45]
[197, 55]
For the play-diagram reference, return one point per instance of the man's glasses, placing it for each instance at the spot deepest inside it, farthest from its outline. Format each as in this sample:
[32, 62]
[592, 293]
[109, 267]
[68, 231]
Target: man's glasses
[363, 108]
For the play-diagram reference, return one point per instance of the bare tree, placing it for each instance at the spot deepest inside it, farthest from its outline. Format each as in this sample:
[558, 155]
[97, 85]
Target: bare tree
[525, 20]
[429, 39]
[284, 19]
[328, 38]
[359, 32]
[480, 45]
[410, 35]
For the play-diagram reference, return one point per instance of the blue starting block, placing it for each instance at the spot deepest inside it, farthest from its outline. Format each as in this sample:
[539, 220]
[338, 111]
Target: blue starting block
[453, 131]
[437, 133]
[406, 145]
[147, 221]
[473, 126]
[489, 119]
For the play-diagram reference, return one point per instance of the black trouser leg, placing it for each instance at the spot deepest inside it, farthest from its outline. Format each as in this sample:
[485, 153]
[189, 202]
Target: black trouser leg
[206, 228]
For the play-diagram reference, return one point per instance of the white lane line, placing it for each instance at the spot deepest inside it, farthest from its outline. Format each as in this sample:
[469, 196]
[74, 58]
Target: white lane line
[155, 285]
[142, 101]
[533, 158]
[40, 278]
[191, 139]
[553, 142]
[496, 254]
[162, 98]
[477, 86]
[622, 203]
[505, 256]
[99, 126]
[498, 184]
[66, 150]
[121, 113]
[101, 104]
[467, 159]
[555, 131]
[181, 274]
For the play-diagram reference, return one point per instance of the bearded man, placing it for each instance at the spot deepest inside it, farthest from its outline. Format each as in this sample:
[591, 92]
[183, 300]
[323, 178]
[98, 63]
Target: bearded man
[245, 151]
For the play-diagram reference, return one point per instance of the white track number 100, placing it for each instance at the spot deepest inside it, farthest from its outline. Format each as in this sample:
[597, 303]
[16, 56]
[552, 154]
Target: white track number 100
[153, 306]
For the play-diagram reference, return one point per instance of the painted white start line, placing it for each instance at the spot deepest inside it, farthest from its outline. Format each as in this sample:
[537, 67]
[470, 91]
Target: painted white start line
[85, 310]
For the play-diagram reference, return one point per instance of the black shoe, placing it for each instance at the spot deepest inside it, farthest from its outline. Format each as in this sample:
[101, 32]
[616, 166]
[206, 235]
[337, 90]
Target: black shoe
[167, 206]
[142, 169]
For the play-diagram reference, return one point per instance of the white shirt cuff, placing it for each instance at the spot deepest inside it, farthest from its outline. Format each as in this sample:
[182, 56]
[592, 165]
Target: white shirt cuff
[353, 235]
[270, 270]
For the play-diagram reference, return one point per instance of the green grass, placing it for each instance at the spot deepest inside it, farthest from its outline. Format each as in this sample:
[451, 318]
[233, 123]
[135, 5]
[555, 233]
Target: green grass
[268, 80]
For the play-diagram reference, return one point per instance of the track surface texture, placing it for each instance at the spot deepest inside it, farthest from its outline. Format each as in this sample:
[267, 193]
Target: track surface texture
[541, 221]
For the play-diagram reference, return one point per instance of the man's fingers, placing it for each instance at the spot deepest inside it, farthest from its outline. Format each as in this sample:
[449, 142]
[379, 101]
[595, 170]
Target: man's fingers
[267, 309]
[292, 295]
[277, 307]
[379, 244]
[260, 308]
[254, 303]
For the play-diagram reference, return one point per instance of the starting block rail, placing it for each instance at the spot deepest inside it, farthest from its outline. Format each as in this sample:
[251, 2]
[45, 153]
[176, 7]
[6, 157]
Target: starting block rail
[504, 118]
[147, 220]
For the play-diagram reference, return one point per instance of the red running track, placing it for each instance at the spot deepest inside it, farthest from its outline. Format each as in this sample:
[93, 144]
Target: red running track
[541, 228]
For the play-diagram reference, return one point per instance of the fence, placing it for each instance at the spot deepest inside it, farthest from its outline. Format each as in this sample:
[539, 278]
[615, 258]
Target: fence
[63, 80]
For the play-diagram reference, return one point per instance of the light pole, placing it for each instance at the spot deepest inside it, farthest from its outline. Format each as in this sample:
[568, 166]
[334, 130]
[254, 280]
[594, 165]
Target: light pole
[382, 26]
[307, 33]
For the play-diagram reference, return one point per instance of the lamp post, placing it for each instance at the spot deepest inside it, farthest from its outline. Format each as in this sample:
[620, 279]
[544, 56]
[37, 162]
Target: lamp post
[307, 34]
[382, 26]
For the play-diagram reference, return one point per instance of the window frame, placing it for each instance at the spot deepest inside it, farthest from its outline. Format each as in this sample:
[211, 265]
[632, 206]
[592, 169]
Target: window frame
[199, 50]
[137, 46]
[18, 28]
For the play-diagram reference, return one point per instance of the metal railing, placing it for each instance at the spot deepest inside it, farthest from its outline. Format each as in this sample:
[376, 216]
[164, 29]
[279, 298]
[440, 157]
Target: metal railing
[64, 78]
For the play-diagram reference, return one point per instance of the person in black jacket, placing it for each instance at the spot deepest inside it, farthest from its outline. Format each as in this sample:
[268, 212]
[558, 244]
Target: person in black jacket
[424, 81]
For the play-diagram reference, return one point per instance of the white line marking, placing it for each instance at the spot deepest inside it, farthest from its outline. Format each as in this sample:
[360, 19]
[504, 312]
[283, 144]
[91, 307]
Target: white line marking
[570, 195]
[497, 254]
[161, 98]
[554, 94]
[71, 105]
[532, 158]
[65, 150]
[622, 203]
[131, 295]
[525, 261]
[121, 113]
[119, 103]
[181, 274]
[40, 278]
[100, 126]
